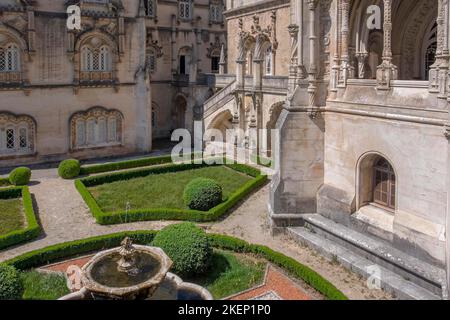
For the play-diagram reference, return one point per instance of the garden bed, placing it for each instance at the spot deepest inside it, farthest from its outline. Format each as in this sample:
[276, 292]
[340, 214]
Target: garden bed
[17, 218]
[156, 193]
[63, 251]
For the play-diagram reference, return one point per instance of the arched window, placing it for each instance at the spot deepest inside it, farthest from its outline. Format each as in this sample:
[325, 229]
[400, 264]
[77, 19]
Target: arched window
[95, 60]
[151, 60]
[430, 51]
[154, 119]
[16, 134]
[384, 184]
[97, 127]
[9, 58]
[184, 57]
[104, 59]
[150, 8]
[185, 9]
[215, 61]
[268, 61]
[215, 12]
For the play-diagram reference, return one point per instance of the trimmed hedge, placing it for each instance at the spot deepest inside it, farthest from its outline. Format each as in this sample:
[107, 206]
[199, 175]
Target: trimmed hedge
[289, 264]
[4, 182]
[20, 176]
[107, 218]
[129, 164]
[202, 194]
[188, 247]
[69, 169]
[32, 230]
[61, 251]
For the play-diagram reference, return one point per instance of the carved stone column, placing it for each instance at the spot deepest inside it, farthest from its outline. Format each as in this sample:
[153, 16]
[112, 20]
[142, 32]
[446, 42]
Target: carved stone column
[31, 30]
[362, 58]
[258, 62]
[387, 71]
[293, 63]
[312, 88]
[335, 68]
[346, 69]
[242, 56]
[444, 54]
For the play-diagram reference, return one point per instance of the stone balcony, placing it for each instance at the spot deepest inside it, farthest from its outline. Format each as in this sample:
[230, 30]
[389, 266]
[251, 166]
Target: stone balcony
[405, 101]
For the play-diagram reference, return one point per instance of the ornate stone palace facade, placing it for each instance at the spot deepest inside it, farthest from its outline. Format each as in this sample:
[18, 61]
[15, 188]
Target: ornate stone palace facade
[135, 71]
[363, 115]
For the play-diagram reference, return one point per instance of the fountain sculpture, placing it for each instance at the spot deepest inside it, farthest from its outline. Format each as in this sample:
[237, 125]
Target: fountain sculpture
[133, 272]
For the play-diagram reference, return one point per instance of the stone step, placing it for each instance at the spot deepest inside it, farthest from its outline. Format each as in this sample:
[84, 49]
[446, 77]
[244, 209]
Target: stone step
[388, 280]
[380, 252]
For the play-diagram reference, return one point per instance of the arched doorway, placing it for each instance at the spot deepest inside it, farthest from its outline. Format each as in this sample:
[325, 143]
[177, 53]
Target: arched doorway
[274, 114]
[377, 183]
[179, 112]
[184, 60]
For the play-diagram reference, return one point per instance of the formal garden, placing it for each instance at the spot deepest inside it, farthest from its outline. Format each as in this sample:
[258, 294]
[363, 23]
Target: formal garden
[146, 189]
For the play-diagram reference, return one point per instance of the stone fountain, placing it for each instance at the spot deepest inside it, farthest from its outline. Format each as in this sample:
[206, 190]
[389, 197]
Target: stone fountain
[134, 272]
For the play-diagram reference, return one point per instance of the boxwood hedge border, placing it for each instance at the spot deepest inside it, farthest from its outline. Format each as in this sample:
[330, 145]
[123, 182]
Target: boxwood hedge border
[109, 218]
[131, 164]
[32, 229]
[122, 165]
[4, 182]
[58, 252]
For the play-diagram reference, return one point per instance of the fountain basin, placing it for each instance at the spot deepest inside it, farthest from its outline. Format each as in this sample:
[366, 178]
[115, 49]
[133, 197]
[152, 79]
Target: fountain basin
[104, 280]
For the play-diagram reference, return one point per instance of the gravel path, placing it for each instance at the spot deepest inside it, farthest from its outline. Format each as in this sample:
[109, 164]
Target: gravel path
[65, 217]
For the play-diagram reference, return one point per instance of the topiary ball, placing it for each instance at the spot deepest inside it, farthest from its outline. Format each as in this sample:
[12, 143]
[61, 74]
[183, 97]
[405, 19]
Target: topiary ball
[20, 176]
[187, 246]
[10, 284]
[202, 194]
[69, 169]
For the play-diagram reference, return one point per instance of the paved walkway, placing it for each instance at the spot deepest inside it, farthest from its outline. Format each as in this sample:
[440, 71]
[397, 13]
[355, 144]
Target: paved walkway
[65, 217]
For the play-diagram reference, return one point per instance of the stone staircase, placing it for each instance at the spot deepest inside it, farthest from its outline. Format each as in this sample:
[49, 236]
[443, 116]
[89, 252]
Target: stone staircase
[218, 100]
[398, 273]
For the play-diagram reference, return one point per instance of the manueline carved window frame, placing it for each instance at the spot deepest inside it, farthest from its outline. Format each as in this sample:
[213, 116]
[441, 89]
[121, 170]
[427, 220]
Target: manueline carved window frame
[11, 121]
[10, 78]
[96, 114]
[96, 40]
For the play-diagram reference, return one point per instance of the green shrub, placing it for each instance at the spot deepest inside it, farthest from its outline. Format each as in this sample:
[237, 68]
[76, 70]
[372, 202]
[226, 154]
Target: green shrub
[45, 256]
[202, 194]
[20, 176]
[69, 169]
[108, 218]
[187, 246]
[10, 284]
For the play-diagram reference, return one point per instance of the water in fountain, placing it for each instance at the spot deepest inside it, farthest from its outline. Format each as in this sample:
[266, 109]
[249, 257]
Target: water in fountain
[125, 268]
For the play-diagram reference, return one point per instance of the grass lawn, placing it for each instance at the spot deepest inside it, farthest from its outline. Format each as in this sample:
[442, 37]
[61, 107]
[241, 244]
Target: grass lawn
[11, 215]
[162, 190]
[39, 286]
[231, 273]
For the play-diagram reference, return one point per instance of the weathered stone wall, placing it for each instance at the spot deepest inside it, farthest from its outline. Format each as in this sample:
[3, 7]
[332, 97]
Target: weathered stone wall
[282, 55]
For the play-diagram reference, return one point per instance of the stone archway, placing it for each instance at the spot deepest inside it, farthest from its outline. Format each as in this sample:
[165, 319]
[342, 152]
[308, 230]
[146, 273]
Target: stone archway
[376, 182]
[274, 114]
[179, 112]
